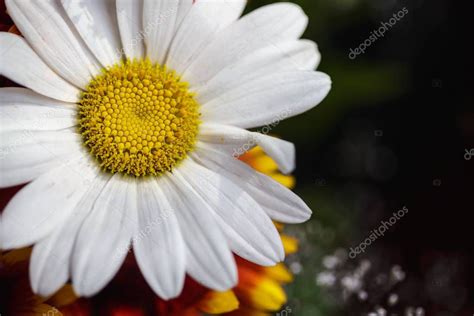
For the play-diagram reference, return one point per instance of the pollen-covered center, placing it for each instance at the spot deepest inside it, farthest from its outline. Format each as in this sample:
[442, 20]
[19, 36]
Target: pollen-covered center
[139, 119]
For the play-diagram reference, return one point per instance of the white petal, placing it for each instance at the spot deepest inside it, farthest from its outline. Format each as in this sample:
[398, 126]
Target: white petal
[104, 238]
[96, 22]
[269, 99]
[15, 95]
[249, 231]
[23, 109]
[205, 19]
[239, 141]
[51, 257]
[20, 63]
[130, 21]
[38, 209]
[284, 56]
[208, 257]
[183, 10]
[158, 244]
[263, 27]
[49, 31]
[159, 20]
[279, 203]
[25, 155]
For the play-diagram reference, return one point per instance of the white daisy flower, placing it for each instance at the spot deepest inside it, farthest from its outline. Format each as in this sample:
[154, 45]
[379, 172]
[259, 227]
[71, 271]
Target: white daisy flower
[127, 130]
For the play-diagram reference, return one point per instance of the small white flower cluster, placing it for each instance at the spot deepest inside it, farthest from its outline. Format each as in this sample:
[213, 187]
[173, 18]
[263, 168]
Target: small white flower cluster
[360, 285]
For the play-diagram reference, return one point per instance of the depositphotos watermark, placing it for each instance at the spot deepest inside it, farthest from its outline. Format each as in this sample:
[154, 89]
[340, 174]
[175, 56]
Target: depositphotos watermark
[252, 141]
[284, 312]
[378, 232]
[376, 34]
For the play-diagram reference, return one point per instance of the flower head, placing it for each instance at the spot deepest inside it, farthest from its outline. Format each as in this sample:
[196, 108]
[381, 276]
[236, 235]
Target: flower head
[126, 130]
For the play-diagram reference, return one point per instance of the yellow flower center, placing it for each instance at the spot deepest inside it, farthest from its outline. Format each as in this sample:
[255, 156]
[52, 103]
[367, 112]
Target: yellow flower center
[138, 119]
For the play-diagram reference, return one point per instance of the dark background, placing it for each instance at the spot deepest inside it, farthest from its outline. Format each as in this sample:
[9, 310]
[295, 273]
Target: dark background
[392, 133]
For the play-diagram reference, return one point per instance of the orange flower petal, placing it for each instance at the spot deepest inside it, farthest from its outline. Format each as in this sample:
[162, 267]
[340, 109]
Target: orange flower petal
[290, 244]
[287, 181]
[264, 164]
[219, 302]
[14, 30]
[259, 291]
[63, 297]
[279, 273]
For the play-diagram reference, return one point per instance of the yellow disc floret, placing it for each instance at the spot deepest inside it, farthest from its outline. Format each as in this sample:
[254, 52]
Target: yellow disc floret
[138, 118]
